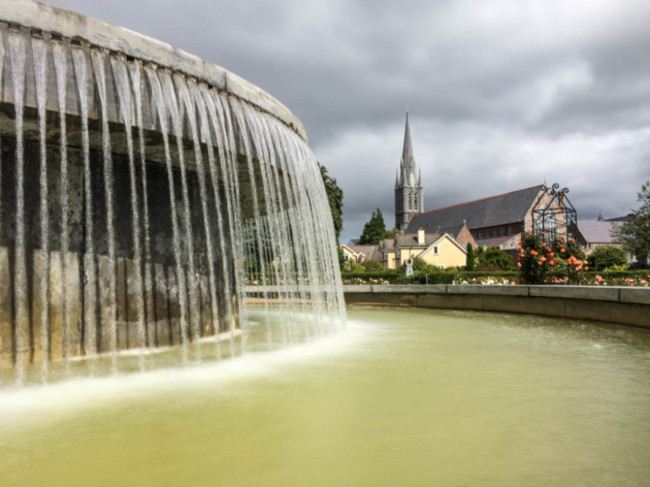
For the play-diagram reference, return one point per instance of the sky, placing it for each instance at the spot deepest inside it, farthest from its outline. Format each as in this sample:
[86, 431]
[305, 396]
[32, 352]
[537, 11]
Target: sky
[501, 94]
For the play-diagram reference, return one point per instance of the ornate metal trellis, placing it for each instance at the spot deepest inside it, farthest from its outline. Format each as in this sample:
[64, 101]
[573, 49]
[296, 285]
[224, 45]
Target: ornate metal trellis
[553, 214]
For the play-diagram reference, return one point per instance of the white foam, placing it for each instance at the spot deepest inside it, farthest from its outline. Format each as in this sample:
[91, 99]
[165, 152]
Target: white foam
[39, 402]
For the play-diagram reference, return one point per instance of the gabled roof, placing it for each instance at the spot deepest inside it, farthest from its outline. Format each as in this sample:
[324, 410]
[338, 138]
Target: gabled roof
[369, 252]
[597, 231]
[411, 239]
[487, 212]
[437, 241]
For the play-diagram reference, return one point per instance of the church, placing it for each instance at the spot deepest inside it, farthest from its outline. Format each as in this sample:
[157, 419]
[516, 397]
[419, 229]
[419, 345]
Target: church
[494, 221]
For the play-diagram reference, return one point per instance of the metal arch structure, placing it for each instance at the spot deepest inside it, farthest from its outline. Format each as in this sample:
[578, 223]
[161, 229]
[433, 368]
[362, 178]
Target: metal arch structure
[552, 210]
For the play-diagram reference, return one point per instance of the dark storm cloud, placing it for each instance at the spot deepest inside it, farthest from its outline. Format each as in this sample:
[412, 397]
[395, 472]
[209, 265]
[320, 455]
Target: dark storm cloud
[503, 94]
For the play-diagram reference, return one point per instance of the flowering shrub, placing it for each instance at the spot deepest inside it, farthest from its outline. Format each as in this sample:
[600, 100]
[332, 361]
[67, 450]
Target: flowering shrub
[619, 279]
[485, 280]
[558, 261]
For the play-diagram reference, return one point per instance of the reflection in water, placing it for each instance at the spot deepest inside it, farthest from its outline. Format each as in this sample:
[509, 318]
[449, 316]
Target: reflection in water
[402, 397]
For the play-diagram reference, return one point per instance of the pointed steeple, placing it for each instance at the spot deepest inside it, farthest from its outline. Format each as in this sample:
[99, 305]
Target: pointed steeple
[408, 184]
[407, 152]
[407, 163]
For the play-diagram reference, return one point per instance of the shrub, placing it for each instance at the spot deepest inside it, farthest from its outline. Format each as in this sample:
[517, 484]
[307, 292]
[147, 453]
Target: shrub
[494, 260]
[543, 262]
[372, 266]
[606, 256]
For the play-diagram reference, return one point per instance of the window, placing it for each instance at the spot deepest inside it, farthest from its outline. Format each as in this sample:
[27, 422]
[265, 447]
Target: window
[435, 250]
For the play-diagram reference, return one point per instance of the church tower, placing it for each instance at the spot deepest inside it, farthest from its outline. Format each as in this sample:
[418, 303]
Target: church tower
[408, 185]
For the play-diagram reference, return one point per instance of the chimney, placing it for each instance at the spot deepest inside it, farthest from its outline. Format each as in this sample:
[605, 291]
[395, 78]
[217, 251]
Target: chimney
[420, 236]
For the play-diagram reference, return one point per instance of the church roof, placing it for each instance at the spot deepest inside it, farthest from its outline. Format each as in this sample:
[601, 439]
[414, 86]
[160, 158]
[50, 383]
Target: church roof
[597, 231]
[486, 212]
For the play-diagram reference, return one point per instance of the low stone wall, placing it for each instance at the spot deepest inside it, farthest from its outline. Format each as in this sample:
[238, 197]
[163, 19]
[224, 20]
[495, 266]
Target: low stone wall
[628, 306]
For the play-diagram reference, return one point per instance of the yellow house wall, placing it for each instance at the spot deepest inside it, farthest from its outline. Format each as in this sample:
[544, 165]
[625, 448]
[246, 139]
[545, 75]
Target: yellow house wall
[349, 255]
[449, 255]
[390, 260]
[407, 254]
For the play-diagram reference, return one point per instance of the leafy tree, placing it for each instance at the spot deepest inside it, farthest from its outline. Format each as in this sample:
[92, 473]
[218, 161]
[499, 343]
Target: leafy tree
[391, 233]
[374, 230]
[606, 256]
[470, 263]
[334, 198]
[341, 256]
[634, 234]
[493, 259]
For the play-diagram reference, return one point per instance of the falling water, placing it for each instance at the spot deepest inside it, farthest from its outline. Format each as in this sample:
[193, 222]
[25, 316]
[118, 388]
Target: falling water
[189, 102]
[39, 52]
[80, 60]
[171, 99]
[161, 111]
[135, 70]
[17, 53]
[60, 54]
[126, 109]
[165, 208]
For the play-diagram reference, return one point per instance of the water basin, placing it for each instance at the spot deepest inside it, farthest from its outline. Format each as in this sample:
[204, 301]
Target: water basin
[401, 397]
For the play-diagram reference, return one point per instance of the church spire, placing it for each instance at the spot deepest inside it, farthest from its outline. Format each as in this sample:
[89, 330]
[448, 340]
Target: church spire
[407, 152]
[407, 164]
[408, 184]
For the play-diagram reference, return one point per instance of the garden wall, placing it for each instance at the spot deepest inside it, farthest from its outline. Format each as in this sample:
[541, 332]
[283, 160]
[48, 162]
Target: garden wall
[627, 306]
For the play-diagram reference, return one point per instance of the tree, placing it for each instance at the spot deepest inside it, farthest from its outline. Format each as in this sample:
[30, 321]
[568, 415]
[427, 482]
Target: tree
[494, 259]
[374, 230]
[470, 263]
[634, 234]
[334, 198]
[605, 256]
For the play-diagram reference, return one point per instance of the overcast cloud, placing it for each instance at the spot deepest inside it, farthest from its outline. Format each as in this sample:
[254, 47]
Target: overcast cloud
[502, 94]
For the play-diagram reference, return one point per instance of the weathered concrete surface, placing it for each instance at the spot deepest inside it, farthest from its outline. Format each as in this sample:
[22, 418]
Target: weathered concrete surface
[81, 29]
[615, 304]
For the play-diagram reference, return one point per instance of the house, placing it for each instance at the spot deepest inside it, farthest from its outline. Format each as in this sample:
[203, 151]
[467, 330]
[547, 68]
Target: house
[439, 249]
[498, 221]
[591, 234]
[360, 253]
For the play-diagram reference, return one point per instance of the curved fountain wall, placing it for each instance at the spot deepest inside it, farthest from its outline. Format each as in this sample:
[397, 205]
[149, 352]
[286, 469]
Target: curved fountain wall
[142, 192]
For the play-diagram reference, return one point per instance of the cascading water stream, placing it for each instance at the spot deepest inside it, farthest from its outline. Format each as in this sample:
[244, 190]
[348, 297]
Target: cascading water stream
[39, 54]
[60, 55]
[149, 210]
[135, 71]
[161, 111]
[98, 58]
[17, 53]
[89, 274]
[126, 110]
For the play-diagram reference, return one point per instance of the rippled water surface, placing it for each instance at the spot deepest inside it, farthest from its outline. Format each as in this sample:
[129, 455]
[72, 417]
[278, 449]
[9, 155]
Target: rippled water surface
[401, 398]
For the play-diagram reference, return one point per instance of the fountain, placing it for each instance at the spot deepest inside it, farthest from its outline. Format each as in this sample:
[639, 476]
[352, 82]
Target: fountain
[157, 210]
[145, 196]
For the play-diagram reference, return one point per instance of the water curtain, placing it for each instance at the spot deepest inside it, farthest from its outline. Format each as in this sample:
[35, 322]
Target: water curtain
[142, 207]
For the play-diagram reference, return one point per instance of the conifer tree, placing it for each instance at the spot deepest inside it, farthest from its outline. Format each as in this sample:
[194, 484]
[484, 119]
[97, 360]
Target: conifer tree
[374, 230]
[471, 258]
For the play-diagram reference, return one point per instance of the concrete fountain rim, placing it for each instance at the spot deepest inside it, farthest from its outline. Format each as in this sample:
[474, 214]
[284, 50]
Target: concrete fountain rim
[80, 28]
